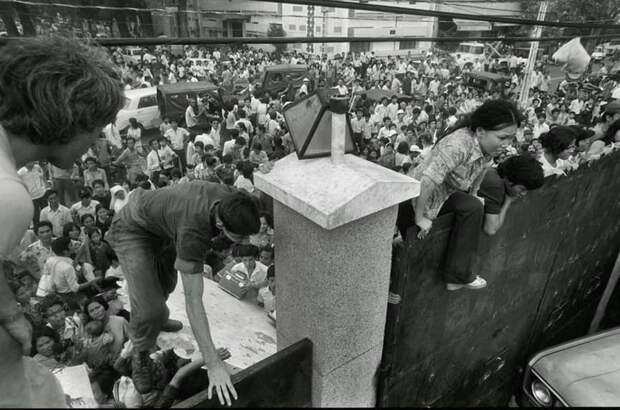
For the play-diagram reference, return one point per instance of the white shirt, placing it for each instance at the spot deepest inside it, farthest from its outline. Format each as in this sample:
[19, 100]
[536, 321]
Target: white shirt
[80, 209]
[113, 135]
[58, 218]
[34, 180]
[206, 139]
[228, 147]
[176, 137]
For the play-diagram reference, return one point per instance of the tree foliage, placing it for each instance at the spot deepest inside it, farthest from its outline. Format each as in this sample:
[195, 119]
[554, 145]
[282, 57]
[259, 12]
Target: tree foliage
[276, 30]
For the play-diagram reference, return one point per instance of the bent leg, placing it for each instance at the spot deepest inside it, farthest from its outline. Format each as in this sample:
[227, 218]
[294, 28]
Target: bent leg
[138, 259]
[464, 237]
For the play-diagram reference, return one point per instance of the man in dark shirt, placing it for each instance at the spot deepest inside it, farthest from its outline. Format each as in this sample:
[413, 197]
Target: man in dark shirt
[159, 232]
[512, 179]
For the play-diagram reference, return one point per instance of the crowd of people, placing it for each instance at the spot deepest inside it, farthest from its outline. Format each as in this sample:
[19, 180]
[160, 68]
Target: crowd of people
[68, 279]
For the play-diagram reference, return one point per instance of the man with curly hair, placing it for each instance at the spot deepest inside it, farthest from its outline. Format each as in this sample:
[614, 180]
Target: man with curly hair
[56, 95]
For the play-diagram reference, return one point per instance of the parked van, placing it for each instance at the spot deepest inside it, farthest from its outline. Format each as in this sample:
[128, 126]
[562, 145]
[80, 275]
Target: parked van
[141, 104]
[132, 55]
[583, 372]
[469, 52]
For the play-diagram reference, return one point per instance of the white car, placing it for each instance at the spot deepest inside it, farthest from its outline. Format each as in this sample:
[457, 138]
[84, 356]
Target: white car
[598, 54]
[132, 55]
[468, 53]
[141, 104]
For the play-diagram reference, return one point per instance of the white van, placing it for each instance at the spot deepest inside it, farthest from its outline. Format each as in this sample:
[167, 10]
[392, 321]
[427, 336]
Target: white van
[132, 54]
[140, 104]
[469, 52]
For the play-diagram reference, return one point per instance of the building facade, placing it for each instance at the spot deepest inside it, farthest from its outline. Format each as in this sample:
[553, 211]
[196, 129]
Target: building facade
[245, 18]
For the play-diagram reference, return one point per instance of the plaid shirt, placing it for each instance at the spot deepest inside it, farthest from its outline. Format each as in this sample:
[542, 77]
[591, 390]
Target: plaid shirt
[456, 163]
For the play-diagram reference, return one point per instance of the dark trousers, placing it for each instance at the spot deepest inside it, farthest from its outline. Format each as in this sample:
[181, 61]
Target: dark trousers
[39, 204]
[67, 191]
[464, 236]
[358, 140]
[182, 157]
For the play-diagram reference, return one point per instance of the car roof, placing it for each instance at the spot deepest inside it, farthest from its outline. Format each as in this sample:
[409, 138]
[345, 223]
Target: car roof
[139, 92]
[471, 44]
[187, 87]
[584, 371]
[287, 67]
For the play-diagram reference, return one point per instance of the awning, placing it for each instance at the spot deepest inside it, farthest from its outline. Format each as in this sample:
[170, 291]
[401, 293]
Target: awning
[472, 25]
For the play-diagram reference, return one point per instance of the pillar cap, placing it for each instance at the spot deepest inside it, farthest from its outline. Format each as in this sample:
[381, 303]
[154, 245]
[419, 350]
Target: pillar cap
[332, 195]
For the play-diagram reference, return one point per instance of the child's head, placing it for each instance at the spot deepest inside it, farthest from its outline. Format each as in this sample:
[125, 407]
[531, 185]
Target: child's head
[98, 187]
[91, 163]
[87, 220]
[266, 255]
[271, 278]
[94, 234]
[94, 328]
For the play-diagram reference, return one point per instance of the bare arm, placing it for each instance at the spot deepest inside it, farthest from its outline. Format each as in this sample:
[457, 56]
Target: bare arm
[492, 223]
[218, 375]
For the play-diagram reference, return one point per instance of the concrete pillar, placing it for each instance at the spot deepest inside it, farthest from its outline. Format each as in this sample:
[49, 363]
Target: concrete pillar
[334, 223]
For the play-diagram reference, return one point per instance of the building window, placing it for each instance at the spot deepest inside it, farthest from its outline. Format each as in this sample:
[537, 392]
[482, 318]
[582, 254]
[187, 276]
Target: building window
[330, 49]
[318, 29]
[408, 44]
[292, 27]
[337, 29]
[302, 27]
[298, 8]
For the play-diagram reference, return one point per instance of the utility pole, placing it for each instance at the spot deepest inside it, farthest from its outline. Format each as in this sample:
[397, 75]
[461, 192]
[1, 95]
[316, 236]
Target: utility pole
[324, 33]
[310, 28]
[531, 61]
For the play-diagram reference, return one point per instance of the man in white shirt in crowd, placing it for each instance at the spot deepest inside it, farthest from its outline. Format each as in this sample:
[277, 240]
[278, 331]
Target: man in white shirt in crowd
[540, 127]
[33, 177]
[34, 256]
[193, 113]
[84, 206]
[58, 215]
[59, 274]
[178, 137]
[113, 135]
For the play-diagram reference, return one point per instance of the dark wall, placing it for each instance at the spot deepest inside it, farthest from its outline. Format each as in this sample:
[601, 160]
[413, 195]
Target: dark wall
[281, 380]
[546, 270]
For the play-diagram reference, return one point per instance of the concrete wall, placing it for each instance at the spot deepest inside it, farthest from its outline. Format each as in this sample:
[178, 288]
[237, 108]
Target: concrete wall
[546, 270]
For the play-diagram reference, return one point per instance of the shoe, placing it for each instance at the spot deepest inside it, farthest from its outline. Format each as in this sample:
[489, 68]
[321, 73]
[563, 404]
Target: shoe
[477, 283]
[172, 325]
[167, 397]
[142, 372]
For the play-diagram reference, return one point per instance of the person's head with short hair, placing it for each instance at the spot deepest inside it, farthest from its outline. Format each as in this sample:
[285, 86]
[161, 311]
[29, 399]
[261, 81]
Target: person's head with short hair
[85, 194]
[237, 216]
[96, 308]
[521, 173]
[154, 144]
[266, 255]
[199, 146]
[240, 142]
[87, 220]
[91, 163]
[559, 142]
[45, 341]
[98, 187]
[62, 246]
[44, 231]
[36, 73]
[71, 230]
[94, 234]
[94, 328]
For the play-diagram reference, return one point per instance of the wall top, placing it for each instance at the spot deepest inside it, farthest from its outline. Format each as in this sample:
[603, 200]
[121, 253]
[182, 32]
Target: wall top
[332, 195]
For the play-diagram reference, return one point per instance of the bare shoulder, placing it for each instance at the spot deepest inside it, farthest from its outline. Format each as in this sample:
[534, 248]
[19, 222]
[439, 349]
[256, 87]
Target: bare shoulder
[17, 211]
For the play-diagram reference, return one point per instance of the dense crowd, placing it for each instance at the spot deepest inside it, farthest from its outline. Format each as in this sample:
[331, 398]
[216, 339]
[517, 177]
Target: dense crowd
[67, 278]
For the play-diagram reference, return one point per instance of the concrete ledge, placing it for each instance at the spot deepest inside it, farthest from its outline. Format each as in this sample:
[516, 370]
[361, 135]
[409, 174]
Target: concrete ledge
[332, 195]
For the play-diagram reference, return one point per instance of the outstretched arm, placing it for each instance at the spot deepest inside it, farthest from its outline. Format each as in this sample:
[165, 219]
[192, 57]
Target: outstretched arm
[219, 379]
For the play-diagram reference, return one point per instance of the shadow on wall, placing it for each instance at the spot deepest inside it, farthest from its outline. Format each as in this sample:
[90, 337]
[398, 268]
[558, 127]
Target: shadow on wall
[547, 268]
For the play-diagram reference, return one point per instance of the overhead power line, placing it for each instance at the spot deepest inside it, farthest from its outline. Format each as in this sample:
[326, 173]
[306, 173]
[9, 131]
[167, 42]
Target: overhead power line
[432, 13]
[115, 42]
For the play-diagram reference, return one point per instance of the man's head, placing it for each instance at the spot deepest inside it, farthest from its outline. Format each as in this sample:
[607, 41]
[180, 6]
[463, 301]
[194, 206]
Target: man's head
[62, 246]
[38, 72]
[44, 231]
[52, 198]
[98, 187]
[238, 216]
[521, 173]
